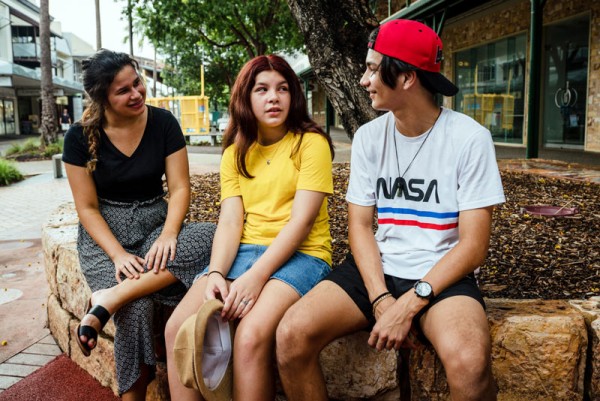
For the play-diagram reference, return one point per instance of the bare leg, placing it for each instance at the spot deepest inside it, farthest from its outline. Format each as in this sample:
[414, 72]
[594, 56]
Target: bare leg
[458, 330]
[113, 298]
[189, 305]
[321, 316]
[138, 391]
[253, 362]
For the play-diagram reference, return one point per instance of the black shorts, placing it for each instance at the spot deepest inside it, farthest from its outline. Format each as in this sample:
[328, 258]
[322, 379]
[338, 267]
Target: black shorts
[348, 278]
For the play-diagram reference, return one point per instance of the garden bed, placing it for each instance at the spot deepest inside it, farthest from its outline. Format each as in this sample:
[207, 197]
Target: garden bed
[530, 256]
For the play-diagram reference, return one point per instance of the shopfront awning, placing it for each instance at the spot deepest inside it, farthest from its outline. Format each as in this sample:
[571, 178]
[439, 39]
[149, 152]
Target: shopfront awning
[27, 82]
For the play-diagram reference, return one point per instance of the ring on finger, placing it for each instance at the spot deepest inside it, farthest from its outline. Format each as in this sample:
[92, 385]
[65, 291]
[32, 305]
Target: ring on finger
[245, 301]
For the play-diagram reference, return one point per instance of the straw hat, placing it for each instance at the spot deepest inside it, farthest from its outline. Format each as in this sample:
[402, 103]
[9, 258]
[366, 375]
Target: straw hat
[203, 353]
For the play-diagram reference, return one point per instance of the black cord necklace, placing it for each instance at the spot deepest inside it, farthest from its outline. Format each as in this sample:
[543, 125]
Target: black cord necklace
[418, 150]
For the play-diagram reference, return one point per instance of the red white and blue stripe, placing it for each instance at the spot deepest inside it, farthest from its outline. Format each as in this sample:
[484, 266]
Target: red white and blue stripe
[417, 218]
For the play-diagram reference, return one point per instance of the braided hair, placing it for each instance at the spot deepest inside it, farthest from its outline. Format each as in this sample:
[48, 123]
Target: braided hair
[99, 71]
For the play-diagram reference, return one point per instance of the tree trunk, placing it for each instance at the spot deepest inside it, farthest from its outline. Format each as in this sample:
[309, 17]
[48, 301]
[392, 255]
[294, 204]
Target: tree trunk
[49, 118]
[336, 35]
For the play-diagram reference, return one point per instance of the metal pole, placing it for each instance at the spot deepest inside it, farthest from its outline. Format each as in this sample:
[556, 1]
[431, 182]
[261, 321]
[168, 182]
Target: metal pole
[130, 20]
[154, 74]
[535, 52]
[202, 80]
[98, 26]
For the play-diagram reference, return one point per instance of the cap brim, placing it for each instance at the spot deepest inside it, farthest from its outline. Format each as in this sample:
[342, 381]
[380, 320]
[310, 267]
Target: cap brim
[439, 83]
[190, 352]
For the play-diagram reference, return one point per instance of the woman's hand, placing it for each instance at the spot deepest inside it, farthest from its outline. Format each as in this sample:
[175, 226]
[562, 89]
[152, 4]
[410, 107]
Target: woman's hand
[160, 252]
[243, 293]
[216, 286]
[128, 265]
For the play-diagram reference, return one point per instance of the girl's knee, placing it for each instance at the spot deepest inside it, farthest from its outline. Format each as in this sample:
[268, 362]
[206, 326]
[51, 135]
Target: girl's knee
[173, 325]
[251, 337]
[253, 340]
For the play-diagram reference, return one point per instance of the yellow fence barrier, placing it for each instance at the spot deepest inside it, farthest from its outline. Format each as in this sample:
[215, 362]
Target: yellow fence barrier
[491, 110]
[191, 112]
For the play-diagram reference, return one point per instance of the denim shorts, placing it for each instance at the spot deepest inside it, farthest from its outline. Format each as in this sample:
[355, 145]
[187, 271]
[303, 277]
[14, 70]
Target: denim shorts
[301, 272]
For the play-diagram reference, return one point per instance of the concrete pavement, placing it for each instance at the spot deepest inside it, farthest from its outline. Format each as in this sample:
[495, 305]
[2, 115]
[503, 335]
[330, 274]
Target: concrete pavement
[26, 341]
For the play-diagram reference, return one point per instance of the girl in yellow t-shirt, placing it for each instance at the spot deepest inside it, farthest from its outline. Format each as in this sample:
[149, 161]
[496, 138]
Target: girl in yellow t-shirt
[272, 243]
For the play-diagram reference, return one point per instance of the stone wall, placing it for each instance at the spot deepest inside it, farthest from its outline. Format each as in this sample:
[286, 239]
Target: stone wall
[542, 350]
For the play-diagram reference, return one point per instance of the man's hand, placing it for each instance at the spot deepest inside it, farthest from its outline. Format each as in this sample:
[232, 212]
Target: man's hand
[394, 322]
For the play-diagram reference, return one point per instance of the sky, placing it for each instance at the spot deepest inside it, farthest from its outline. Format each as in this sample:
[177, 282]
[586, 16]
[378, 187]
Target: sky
[79, 17]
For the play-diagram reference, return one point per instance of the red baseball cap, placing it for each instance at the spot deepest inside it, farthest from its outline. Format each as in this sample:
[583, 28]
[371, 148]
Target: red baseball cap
[418, 45]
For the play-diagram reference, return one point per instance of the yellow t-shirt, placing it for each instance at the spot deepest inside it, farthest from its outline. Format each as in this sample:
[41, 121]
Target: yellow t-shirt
[268, 197]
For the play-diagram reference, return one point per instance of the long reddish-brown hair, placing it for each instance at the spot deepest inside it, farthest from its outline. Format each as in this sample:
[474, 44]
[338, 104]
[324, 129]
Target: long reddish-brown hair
[243, 129]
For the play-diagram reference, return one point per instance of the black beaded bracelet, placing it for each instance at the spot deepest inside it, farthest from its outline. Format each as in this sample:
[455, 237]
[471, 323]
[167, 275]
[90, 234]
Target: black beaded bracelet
[379, 297]
[215, 271]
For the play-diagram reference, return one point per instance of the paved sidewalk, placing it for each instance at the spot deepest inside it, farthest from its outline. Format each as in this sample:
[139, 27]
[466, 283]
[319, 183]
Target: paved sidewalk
[28, 361]
[25, 205]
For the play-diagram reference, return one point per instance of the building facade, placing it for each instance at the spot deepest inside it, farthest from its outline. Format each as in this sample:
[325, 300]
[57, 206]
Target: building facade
[20, 74]
[545, 96]
[488, 55]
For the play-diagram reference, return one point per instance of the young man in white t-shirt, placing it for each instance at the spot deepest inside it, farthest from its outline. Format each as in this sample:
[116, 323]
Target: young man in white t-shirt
[430, 177]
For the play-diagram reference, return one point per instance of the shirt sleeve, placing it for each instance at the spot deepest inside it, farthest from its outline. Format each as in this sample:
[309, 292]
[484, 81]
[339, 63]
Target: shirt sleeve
[75, 147]
[230, 178]
[175, 139]
[479, 182]
[315, 165]
[361, 190]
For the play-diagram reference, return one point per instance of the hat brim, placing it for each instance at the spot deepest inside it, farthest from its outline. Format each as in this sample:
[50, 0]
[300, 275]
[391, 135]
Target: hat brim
[439, 83]
[189, 351]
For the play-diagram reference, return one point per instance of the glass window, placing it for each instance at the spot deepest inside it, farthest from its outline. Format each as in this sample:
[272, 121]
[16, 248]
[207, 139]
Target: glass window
[2, 126]
[9, 116]
[492, 86]
[564, 91]
[384, 8]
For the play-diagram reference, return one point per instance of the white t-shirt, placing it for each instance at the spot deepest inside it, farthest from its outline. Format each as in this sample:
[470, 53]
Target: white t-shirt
[455, 170]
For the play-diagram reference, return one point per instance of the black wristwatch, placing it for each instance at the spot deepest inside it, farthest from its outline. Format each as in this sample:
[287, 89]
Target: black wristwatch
[423, 290]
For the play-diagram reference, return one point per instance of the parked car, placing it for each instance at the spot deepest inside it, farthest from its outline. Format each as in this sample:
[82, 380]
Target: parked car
[222, 123]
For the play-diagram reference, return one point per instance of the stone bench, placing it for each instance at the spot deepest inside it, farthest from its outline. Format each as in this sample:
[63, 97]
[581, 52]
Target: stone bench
[214, 137]
[542, 350]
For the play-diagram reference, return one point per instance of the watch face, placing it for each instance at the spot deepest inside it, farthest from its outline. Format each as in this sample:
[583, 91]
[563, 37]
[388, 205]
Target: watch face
[423, 289]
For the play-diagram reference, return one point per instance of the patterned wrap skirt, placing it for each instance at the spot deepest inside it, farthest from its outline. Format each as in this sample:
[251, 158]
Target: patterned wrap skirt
[136, 226]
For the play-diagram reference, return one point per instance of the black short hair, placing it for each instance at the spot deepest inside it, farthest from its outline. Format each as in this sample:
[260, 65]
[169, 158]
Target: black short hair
[390, 68]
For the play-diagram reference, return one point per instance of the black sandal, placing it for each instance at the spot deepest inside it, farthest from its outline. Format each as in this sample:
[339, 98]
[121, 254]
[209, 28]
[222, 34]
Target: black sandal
[102, 315]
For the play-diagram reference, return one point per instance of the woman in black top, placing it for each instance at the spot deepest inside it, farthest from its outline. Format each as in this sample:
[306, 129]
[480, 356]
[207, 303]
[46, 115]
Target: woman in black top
[133, 248]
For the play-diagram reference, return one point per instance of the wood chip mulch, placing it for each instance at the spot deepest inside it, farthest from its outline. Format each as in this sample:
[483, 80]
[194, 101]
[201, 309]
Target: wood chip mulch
[530, 257]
